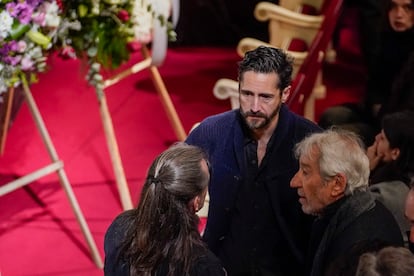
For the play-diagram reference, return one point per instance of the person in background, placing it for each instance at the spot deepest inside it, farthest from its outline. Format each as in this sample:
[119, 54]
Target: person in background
[397, 44]
[395, 261]
[372, 17]
[402, 91]
[391, 159]
[347, 264]
[332, 184]
[255, 225]
[160, 237]
[409, 214]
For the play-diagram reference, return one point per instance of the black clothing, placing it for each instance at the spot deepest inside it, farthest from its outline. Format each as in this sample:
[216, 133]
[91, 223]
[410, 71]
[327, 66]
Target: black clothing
[388, 172]
[206, 265]
[253, 217]
[396, 47]
[318, 230]
[353, 219]
[402, 92]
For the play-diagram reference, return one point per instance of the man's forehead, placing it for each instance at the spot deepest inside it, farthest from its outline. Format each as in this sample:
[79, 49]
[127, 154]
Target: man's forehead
[305, 160]
[311, 155]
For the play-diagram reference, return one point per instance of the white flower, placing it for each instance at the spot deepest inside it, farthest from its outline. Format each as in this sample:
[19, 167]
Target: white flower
[35, 51]
[95, 7]
[161, 7]
[52, 14]
[142, 21]
[3, 87]
[6, 22]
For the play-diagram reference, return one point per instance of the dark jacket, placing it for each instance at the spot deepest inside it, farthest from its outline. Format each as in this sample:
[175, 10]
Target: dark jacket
[352, 220]
[206, 264]
[390, 185]
[222, 137]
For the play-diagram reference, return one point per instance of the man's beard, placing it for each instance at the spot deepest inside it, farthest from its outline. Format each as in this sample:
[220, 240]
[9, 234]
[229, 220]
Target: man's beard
[258, 123]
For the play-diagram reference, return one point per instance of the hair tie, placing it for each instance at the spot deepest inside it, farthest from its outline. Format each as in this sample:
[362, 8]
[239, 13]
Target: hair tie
[154, 180]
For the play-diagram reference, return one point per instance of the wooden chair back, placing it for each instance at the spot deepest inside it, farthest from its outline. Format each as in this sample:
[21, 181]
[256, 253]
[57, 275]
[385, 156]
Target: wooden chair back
[303, 83]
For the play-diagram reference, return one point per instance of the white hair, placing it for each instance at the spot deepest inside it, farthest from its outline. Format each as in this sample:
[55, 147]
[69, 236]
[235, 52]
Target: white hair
[340, 151]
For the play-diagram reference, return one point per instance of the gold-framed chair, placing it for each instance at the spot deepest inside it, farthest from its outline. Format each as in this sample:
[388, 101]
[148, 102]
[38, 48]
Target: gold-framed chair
[288, 30]
[303, 6]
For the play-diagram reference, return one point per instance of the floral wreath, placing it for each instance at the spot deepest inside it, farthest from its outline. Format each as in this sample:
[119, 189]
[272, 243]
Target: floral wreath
[27, 29]
[101, 32]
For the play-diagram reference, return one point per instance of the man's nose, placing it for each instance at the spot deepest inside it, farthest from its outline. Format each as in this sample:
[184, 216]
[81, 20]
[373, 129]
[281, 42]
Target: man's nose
[294, 182]
[255, 105]
[400, 11]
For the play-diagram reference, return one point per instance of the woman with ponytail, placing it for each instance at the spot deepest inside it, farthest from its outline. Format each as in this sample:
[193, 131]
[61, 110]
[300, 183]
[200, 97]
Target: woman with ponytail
[160, 236]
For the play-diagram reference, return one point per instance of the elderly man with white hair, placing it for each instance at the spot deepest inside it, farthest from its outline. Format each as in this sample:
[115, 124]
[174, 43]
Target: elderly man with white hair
[332, 183]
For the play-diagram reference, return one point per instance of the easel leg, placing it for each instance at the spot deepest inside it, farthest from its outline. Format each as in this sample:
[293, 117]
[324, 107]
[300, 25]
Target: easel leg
[109, 129]
[114, 152]
[5, 127]
[165, 99]
[62, 176]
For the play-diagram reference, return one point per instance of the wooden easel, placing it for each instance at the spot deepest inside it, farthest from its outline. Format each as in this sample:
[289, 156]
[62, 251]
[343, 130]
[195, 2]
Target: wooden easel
[55, 166]
[108, 126]
[5, 120]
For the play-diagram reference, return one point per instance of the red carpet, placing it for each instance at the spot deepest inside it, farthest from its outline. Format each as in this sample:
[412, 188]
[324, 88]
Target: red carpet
[39, 234]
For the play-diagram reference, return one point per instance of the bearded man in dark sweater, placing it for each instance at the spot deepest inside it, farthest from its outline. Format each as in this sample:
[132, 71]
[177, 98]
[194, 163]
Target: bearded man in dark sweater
[255, 224]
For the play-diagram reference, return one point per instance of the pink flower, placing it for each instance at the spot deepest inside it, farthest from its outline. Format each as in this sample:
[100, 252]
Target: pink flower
[21, 46]
[134, 46]
[26, 64]
[39, 18]
[67, 52]
[123, 15]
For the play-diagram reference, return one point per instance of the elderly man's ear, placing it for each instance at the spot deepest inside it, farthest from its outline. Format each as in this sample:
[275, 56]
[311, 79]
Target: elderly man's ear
[338, 185]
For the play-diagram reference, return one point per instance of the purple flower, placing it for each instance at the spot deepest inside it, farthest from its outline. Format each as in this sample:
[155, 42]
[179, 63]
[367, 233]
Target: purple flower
[13, 9]
[26, 14]
[21, 10]
[34, 3]
[13, 46]
[12, 60]
[7, 48]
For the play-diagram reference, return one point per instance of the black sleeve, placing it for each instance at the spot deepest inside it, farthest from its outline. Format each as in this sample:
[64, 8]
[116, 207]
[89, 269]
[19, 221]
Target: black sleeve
[208, 265]
[114, 236]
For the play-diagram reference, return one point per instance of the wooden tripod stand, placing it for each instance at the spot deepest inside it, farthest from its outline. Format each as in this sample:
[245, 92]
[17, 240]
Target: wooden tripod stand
[108, 126]
[55, 166]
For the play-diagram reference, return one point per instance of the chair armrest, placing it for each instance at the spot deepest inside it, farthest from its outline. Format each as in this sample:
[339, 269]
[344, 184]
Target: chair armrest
[265, 11]
[300, 5]
[225, 88]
